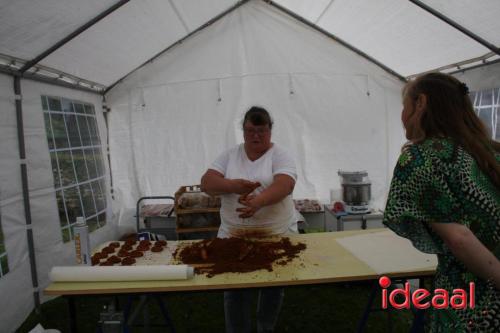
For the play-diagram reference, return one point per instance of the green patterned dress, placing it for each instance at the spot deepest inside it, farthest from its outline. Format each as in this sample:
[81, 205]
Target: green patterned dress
[438, 181]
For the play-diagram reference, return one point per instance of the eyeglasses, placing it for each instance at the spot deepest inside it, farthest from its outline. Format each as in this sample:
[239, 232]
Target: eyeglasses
[259, 131]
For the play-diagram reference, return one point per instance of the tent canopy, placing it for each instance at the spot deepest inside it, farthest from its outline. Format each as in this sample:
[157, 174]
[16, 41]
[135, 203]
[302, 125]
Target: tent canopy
[120, 36]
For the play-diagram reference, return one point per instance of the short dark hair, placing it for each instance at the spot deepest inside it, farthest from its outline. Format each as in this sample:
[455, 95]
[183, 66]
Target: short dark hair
[257, 115]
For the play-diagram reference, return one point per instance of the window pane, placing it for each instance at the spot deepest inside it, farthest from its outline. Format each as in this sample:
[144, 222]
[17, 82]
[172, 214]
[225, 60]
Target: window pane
[67, 106]
[487, 98]
[81, 169]
[70, 126]
[48, 130]
[486, 115]
[4, 264]
[73, 132]
[66, 167]
[60, 135]
[54, 104]
[73, 204]
[84, 130]
[89, 109]
[102, 186]
[63, 219]
[66, 235]
[497, 134]
[98, 161]
[57, 182]
[487, 106]
[100, 201]
[89, 158]
[88, 201]
[45, 105]
[2, 246]
[92, 223]
[79, 108]
[102, 219]
[94, 135]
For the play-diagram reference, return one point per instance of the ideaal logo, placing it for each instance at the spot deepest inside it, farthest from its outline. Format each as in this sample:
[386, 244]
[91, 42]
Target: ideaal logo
[440, 299]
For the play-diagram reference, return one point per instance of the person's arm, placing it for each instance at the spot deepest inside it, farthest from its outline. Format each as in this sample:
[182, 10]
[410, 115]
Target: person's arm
[469, 250]
[214, 183]
[281, 186]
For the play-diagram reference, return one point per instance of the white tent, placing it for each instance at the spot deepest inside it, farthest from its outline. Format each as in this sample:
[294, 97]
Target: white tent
[166, 84]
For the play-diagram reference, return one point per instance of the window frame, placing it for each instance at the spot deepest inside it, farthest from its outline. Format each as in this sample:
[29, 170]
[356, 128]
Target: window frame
[87, 154]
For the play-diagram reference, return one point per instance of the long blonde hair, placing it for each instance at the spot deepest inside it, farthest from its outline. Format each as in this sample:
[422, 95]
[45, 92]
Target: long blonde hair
[449, 113]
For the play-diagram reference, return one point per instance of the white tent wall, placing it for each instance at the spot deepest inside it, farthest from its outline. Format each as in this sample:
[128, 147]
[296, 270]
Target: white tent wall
[332, 108]
[16, 285]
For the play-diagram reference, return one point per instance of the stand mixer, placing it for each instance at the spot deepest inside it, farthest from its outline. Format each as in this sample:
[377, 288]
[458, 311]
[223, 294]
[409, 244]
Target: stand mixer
[356, 191]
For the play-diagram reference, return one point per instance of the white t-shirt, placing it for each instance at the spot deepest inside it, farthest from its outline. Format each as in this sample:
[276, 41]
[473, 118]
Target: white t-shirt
[276, 219]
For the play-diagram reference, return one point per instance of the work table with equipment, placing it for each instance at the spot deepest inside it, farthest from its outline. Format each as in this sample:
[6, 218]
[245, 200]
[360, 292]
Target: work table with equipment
[328, 258]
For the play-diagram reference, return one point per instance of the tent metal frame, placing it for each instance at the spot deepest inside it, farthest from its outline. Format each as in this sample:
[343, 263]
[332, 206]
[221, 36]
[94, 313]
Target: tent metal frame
[461, 65]
[57, 81]
[180, 41]
[22, 74]
[457, 26]
[25, 187]
[72, 35]
[17, 75]
[484, 64]
[335, 38]
[43, 79]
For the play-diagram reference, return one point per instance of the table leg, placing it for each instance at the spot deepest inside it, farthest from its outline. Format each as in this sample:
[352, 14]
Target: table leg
[368, 308]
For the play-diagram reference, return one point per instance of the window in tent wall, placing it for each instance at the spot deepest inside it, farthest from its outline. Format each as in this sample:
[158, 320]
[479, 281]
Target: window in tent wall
[77, 162]
[487, 106]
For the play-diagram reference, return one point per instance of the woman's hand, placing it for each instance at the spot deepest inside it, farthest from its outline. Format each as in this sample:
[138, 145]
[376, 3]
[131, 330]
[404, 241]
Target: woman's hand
[243, 186]
[250, 203]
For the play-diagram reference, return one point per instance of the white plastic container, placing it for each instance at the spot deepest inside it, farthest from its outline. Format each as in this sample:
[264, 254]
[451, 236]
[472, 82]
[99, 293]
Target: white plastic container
[82, 244]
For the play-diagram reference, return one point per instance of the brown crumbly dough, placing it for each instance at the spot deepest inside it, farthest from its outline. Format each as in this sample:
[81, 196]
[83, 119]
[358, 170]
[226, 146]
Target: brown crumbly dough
[114, 259]
[144, 242]
[238, 254]
[123, 253]
[108, 249]
[128, 261]
[136, 254]
[157, 248]
[114, 244]
[142, 247]
[161, 243]
[126, 247]
[130, 242]
[95, 261]
[100, 255]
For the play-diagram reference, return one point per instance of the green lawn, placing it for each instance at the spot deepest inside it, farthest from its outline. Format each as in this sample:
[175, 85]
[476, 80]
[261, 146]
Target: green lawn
[319, 308]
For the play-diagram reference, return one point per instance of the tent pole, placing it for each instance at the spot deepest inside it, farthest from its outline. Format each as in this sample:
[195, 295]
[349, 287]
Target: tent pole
[335, 38]
[26, 199]
[457, 26]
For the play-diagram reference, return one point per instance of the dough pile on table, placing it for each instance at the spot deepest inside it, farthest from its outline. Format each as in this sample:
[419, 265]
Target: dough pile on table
[221, 255]
[131, 252]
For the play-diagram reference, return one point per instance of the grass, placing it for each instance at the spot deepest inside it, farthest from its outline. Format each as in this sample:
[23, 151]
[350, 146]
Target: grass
[316, 308]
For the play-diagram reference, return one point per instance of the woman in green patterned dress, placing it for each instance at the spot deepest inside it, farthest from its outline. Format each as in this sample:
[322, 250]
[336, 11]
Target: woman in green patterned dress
[445, 198]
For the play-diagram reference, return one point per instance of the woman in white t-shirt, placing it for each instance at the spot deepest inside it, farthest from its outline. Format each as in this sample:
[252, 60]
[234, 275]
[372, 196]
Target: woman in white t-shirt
[255, 180]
